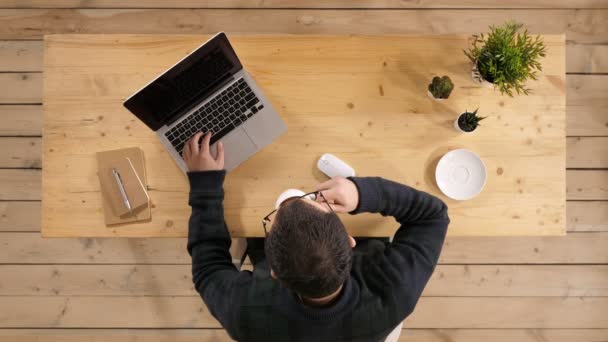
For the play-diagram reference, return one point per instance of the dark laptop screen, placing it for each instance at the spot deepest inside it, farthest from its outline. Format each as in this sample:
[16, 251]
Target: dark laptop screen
[185, 84]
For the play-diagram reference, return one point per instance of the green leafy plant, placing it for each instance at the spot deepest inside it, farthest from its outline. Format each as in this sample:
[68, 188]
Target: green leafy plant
[469, 121]
[506, 57]
[441, 87]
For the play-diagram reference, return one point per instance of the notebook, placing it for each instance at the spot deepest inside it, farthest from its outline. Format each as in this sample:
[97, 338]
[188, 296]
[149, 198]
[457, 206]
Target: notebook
[130, 168]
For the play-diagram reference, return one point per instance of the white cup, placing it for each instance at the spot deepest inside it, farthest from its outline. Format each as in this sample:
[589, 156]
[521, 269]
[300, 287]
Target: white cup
[289, 193]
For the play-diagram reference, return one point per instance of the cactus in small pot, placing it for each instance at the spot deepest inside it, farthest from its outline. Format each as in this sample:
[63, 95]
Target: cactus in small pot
[467, 122]
[441, 87]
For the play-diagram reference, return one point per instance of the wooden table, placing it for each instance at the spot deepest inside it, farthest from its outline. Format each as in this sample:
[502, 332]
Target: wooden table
[362, 98]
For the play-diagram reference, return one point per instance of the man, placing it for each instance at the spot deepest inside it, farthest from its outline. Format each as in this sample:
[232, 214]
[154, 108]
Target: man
[312, 285]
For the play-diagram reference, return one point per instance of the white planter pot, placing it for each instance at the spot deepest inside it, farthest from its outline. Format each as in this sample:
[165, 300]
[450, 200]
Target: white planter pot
[428, 92]
[457, 127]
[476, 76]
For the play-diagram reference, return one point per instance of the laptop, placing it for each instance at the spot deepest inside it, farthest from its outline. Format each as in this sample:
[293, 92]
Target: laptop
[208, 91]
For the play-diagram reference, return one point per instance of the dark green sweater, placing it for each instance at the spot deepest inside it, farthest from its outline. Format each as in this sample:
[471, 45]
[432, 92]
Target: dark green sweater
[385, 282]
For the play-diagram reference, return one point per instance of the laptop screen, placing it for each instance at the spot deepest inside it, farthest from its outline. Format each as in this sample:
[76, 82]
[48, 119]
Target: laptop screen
[186, 84]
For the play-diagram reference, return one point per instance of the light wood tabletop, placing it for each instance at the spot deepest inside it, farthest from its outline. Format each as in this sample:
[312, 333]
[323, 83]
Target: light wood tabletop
[362, 98]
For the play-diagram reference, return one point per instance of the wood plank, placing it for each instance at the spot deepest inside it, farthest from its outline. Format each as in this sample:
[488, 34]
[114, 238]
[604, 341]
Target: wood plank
[587, 152]
[30, 248]
[24, 55]
[25, 185]
[96, 280]
[407, 335]
[300, 4]
[20, 153]
[582, 216]
[518, 280]
[585, 216]
[213, 335]
[587, 184]
[585, 116]
[510, 312]
[93, 312]
[587, 103]
[20, 56]
[19, 184]
[505, 335]
[25, 87]
[24, 120]
[572, 249]
[176, 280]
[190, 312]
[115, 335]
[587, 59]
[19, 216]
[34, 23]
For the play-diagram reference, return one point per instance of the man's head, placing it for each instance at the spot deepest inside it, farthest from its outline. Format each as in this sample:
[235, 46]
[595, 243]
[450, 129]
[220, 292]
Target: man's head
[308, 248]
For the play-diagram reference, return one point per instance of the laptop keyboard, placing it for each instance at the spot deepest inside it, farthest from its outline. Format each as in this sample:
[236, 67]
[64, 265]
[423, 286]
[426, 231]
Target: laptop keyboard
[225, 112]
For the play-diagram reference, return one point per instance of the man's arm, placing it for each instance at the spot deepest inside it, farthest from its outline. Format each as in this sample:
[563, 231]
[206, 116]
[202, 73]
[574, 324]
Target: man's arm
[411, 258]
[424, 220]
[423, 217]
[215, 277]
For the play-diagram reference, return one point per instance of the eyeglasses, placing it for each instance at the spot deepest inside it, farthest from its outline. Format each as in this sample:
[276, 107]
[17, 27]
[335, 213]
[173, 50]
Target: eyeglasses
[267, 219]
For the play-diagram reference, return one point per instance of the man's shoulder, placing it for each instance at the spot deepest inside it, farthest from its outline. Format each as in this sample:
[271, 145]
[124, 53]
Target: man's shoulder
[261, 291]
[377, 274]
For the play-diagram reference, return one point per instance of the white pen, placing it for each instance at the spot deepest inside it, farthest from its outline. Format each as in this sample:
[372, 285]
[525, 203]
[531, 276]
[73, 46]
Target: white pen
[121, 187]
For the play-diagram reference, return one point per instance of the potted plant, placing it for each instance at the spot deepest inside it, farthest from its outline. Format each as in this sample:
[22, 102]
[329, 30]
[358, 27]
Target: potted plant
[467, 122]
[506, 58]
[440, 88]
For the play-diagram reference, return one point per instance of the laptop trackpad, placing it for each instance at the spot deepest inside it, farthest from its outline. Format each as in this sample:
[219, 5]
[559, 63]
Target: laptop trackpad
[238, 147]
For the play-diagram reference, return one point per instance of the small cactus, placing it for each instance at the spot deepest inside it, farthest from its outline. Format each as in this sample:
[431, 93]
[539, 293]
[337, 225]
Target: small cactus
[468, 121]
[441, 87]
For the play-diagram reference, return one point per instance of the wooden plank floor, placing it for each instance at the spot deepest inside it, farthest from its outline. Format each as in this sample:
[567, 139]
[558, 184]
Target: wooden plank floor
[550, 289]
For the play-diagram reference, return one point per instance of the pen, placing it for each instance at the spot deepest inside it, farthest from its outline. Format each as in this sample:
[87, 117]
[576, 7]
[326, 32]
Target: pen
[121, 187]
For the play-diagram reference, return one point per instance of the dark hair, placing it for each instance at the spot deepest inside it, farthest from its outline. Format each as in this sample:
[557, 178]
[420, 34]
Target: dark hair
[308, 249]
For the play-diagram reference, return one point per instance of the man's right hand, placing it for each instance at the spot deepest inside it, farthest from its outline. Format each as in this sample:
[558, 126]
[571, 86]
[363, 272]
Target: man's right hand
[199, 158]
[341, 194]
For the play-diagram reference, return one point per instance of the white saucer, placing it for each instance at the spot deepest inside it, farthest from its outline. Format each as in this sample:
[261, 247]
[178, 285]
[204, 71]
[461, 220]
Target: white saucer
[460, 174]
